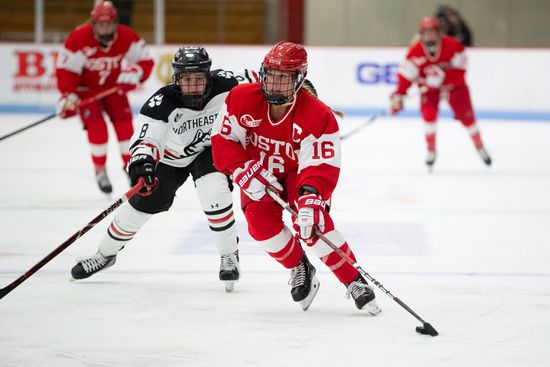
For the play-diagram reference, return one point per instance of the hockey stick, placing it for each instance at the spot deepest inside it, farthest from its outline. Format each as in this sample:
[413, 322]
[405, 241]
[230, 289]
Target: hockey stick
[134, 190]
[425, 329]
[85, 102]
[382, 113]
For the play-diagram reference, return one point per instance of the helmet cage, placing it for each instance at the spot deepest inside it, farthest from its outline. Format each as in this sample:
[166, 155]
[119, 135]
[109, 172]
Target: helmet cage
[192, 60]
[282, 97]
[104, 12]
[105, 39]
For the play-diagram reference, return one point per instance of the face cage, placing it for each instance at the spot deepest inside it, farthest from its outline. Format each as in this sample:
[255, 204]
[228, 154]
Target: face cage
[105, 39]
[277, 98]
[193, 101]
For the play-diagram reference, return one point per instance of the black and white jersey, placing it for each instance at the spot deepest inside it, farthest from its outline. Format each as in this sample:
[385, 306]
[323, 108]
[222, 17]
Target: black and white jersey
[175, 135]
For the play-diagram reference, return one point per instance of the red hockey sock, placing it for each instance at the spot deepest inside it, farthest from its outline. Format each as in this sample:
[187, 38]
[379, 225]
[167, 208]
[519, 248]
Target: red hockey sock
[99, 162]
[430, 141]
[290, 255]
[342, 269]
[476, 138]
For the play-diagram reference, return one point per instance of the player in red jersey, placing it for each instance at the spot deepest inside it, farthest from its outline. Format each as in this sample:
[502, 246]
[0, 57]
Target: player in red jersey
[98, 56]
[275, 134]
[437, 64]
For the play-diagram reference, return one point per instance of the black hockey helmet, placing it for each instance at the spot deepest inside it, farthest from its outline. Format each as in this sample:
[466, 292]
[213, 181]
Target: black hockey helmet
[191, 59]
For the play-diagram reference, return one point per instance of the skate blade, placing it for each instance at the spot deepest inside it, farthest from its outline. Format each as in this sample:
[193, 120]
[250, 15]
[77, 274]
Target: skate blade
[229, 285]
[306, 302]
[372, 308]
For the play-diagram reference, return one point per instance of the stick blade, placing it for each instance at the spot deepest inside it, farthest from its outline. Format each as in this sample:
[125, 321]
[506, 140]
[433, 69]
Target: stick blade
[427, 329]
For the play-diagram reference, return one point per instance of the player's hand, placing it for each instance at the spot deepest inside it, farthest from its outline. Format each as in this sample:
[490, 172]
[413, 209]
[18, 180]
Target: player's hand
[129, 78]
[311, 214]
[396, 103]
[253, 180]
[67, 106]
[143, 166]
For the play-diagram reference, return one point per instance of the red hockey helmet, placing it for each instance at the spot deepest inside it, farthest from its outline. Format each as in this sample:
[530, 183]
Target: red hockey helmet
[283, 57]
[429, 23]
[286, 56]
[104, 11]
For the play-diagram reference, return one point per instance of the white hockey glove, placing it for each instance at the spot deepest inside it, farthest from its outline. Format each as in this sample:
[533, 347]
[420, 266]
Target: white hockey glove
[129, 78]
[311, 213]
[253, 180]
[396, 103]
[67, 105]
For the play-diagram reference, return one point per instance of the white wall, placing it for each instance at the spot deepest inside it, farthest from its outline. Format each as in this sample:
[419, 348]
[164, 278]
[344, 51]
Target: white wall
[351, 78]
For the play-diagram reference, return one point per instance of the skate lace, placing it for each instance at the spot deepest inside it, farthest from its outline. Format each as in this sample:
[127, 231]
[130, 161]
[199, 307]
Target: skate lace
[93, 263]
[297, 276]
[356, 289]
[229, 262]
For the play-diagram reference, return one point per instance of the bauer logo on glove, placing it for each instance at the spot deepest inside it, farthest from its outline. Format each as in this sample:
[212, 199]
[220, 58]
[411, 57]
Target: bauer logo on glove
[253, 180]
[311, 213]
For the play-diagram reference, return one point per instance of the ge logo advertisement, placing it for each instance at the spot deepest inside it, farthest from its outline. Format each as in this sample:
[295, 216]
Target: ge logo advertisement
[377, 73]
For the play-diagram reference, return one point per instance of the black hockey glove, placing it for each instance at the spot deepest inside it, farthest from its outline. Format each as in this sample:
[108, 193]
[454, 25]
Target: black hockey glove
[143, 166]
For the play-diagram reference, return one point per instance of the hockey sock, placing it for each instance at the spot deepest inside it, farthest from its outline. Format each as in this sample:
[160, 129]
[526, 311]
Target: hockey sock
[284, 248]
[123, 228]
[222, 224]
[217, 203]
[290, 255]
[475, 135]
[430, 142]
[343, 271]
[430, 129]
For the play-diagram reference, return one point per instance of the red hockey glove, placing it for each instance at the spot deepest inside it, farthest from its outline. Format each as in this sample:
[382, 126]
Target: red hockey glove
[143, 166]
[67, 106]
[396, 103]
[129, 78]
[253, 180]
[311, 213]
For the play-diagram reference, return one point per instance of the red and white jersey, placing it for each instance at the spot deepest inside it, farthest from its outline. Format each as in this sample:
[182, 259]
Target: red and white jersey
[306, 140]
[84, 65]
[446, 68]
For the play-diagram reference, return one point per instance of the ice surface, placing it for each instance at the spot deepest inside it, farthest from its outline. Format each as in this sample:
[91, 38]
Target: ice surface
[467, 248]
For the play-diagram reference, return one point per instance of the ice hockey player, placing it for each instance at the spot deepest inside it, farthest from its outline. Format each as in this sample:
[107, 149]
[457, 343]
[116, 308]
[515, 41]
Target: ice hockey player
[171, 143]
[437, 64]
[95, 57]
[274, 134]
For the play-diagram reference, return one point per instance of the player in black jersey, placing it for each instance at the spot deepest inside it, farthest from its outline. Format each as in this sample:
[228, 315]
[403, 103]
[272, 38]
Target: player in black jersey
[171, 142]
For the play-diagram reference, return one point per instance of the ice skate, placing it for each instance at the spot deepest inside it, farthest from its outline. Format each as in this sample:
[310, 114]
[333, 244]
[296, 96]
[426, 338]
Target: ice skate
[305, 284]
[229, 270]
[103, 181]
[363, 295]
[430, 159]
[87, 266]
[484, 156]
